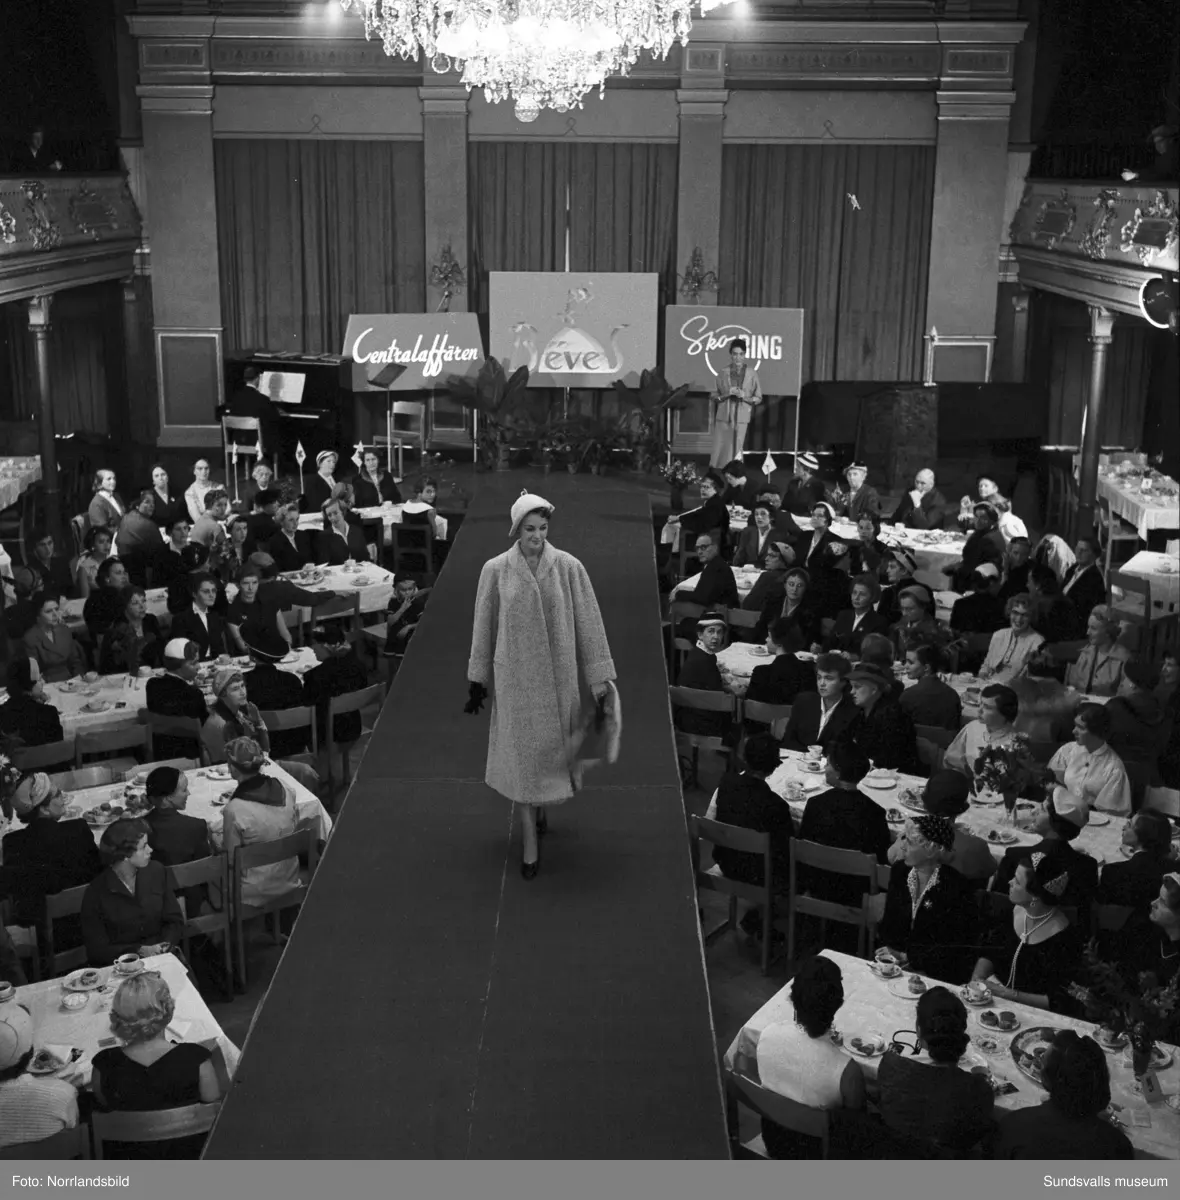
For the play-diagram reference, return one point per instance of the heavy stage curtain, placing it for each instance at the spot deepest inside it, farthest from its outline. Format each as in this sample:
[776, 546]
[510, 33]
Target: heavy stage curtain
[792, 237]
[309, 232]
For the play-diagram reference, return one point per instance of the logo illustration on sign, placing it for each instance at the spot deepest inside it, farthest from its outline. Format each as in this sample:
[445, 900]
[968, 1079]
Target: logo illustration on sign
[570, 351]
[713, 344]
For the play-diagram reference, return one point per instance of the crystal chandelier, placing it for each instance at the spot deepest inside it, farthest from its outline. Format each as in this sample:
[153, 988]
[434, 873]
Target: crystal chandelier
[539, 53]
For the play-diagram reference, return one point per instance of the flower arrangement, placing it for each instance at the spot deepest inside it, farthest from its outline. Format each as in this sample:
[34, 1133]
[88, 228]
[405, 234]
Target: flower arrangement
[10, 776]
[680, 474]
[1006, 766]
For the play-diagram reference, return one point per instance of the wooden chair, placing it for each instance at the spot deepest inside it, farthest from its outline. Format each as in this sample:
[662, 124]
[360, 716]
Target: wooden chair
[798, 1118]
[741, 618]
[235, 425]
[27, 946]
[182, 727]
[774, 715]
[411, 431]
[1163, 800]
[139, 774]
[348, 611]
[843, 862]
[39, 758]
[1111, 529]
[79, 524]
[278, 720]
[84, 777]
[57, 905]
[933, 741]
[701, 701]
[677, 611]
[1110, 918]
[122, 737]
[350, 702]
[156, 1125]
[412, 547]
[734, 837]
[1138, 616]
[293, 620]
[303, 842]
[69, 1143]
[213, 872]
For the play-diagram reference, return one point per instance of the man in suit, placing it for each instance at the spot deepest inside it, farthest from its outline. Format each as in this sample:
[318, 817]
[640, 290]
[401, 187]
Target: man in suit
[805, 491]
[174, 694]
[852, 624]
[270, 689]
[985, 543]
[1016, 564]
[929, 701]
[700, 671]
[924, 507]
[291, 547]
[742, 484]
[784, 677]
[1083, 585]
[882, 729]
[198, 623]
[818, 718]
[1147, 838]
[716, 588]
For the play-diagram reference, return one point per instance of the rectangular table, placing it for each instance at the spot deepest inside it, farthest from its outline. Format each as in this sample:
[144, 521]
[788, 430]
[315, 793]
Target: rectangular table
[16, 474]
[387, 514]
[87, 1027]
[1146, 513]
[870, 1007]
[1162, 571]
[375, 594]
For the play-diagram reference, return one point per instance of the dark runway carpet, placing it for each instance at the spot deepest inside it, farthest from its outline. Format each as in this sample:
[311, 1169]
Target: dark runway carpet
[431, 1003]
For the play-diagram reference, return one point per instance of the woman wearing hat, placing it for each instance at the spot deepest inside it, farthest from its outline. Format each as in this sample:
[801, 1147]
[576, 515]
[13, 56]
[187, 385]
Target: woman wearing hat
[916, 625]
[738, 391]
[931, 914]
[804, 490]
[318, 488]
[32, 1107]
[900, 566]
[882, 731]
[947, 794]
[857, 499]
[1041, 950]
[770, 587]
[232, 715]
[541, 687]
[812, 552]
[985, 543]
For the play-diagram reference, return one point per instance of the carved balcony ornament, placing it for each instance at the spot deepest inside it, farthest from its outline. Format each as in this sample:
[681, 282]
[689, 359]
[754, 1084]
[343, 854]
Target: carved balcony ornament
[448, 275]
[1151, 231]
[43, 227]
[1054, 221]
[91, 214]
[696, 279]
[1096, 239]
[7, 226]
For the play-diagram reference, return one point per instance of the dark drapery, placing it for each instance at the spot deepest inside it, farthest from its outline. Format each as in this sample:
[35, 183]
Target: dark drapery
[791, 237]
[309, 232]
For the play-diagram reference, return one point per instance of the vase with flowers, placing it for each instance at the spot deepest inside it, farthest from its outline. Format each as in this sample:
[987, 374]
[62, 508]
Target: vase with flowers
[679, 476]
[1005, 769]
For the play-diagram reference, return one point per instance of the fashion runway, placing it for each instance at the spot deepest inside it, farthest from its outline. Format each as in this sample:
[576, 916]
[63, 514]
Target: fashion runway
[433, 1004]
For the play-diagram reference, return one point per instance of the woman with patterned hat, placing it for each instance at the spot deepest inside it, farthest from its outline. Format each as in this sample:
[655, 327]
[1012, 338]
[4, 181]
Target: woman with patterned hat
[857, 498]
[806, 489]
[318, 488]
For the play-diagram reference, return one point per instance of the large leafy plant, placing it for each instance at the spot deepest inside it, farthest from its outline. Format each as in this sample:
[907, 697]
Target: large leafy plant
[644, 410]
[503, 406]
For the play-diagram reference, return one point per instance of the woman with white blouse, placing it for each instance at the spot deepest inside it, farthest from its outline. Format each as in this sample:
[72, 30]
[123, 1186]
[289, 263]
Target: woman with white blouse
[1011, 649]
[202, 484]
[1088, 768]
[106, 508]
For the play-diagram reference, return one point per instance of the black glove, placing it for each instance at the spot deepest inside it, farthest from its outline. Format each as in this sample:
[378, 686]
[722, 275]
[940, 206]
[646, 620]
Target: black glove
[477, 694]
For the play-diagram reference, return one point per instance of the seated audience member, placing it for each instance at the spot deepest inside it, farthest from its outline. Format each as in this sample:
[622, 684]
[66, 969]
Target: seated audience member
[771, 586]
[798, 1059]
[1088, 768]
[1169, 684]
[987, 491]
[209, 529]
[232, 715]
[929, 701]
[798, 607]
[700, 671]
[338, 675]
[247, 612]
[924, 507]
[18, 613]
[96, 549]
[292, 547]
[1147, 838]
[405, 609]
[340, 541]
[171, 565]
[1070, 1124]
[174, 836]
[419, 510]
[917, 623]
[811, 550]
[1016, 566]
[129, 908]
[271, 690]
[50, 641]
[262, 523]
[868, 552]
[805, 490]
[139, 531]
[744, 799]
[149, 1070]
[32, 1107]
[199, 489]
[857, 497]
[782, 679]
[1058, 823]
[819, 718]
[374, 485]
[33, 156]
[831, 589]
[998, 710]
[52, 571]
[936, 1102]
[261, 480]
[1140, 726]
[235, 557]
[262, 809]
[317, 490]
[742, 484]
[200, 624]
[853, 623]
[843, 817]
[105, 603]
[716, 587]
[755, 539]
[174, 694]
[985, 543]
[1151, 942]
[1041, 949]
[281, 594]
[1100, 666]
[1053, 616]
[27, 714]
[168, 506]
[1083, 585]
[981, 610]
[882, 730]
[784, 525]
[1012, 649]
[106, 508]
[876, 650]
[930, 919]
[900, 566]
[946, 795]
[134, 640]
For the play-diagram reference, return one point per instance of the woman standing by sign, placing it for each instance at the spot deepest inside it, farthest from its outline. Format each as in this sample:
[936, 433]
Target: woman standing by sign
[738, 390]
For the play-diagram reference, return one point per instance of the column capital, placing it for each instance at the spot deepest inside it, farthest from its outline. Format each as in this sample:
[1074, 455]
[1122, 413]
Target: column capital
[39, 312]
[451, 101]
[974, 106]
[702, 102]
[1101, 325]
[185, 99]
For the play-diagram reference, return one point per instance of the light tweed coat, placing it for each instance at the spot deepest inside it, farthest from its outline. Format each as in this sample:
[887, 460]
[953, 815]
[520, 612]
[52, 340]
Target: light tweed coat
[538, 645]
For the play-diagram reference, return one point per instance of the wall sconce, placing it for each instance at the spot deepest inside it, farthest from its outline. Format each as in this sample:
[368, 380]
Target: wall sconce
[696, 279]
[448, 275]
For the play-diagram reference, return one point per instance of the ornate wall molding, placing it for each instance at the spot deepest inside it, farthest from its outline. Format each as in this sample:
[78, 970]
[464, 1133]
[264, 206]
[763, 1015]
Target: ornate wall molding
[1158, 219]
[830, 62]
[310, 56]
[1110, 285]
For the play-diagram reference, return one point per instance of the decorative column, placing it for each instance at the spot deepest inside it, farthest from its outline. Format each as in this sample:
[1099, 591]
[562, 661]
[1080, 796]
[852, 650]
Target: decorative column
[1018, 346]
[1101, 325]
[444, 145]
[40, 326]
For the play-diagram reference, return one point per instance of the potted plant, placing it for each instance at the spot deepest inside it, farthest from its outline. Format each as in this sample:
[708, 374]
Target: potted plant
[679, 476]
[501, 404]
[645, 409]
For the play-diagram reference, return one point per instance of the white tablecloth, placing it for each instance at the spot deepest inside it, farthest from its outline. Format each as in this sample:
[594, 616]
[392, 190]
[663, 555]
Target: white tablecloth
[670, 534]
[85, 1028]
[746, 577]
[1144, 512]
[870, 1007]
[737, 662]
[375, 594]
[387, 514]
[157, 605]
[15, 476]
[1162, 571]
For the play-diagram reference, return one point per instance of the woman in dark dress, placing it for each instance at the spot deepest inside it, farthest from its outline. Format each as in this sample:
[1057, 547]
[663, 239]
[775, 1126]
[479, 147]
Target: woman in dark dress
[796, 606]
[712, 515]
[234, 557]
[374, 485]
[770, 586]
[134, 640]
[27, 715]
[148, 1071]
[1041, 950]
[104, 605]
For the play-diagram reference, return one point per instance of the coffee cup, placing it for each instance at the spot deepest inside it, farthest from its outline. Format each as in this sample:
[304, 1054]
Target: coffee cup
[126, 963]
[91, 677]
[7, 991]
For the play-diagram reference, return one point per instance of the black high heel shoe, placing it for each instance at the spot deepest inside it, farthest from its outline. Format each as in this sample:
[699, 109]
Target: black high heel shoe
[529, 870]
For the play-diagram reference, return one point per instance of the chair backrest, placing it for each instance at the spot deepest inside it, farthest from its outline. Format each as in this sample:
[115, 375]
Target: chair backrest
[212, 870]
[1110, 917]
[78, 526]
[139, 774]
[936, 734]
[121, 737]
[732, 837]
[829, 858]
[798, 1118]
[265, 854]
[63, 904]
[242, 425]
[37, 758]
[679, 609]
[350, 606]
[702, 700]
[417, 414]
[83, 777]
[740, 618]
[1164, 800]
[161, 723]
[158, 1125]
[354, 702]
[66, 1144]
[277, 720]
